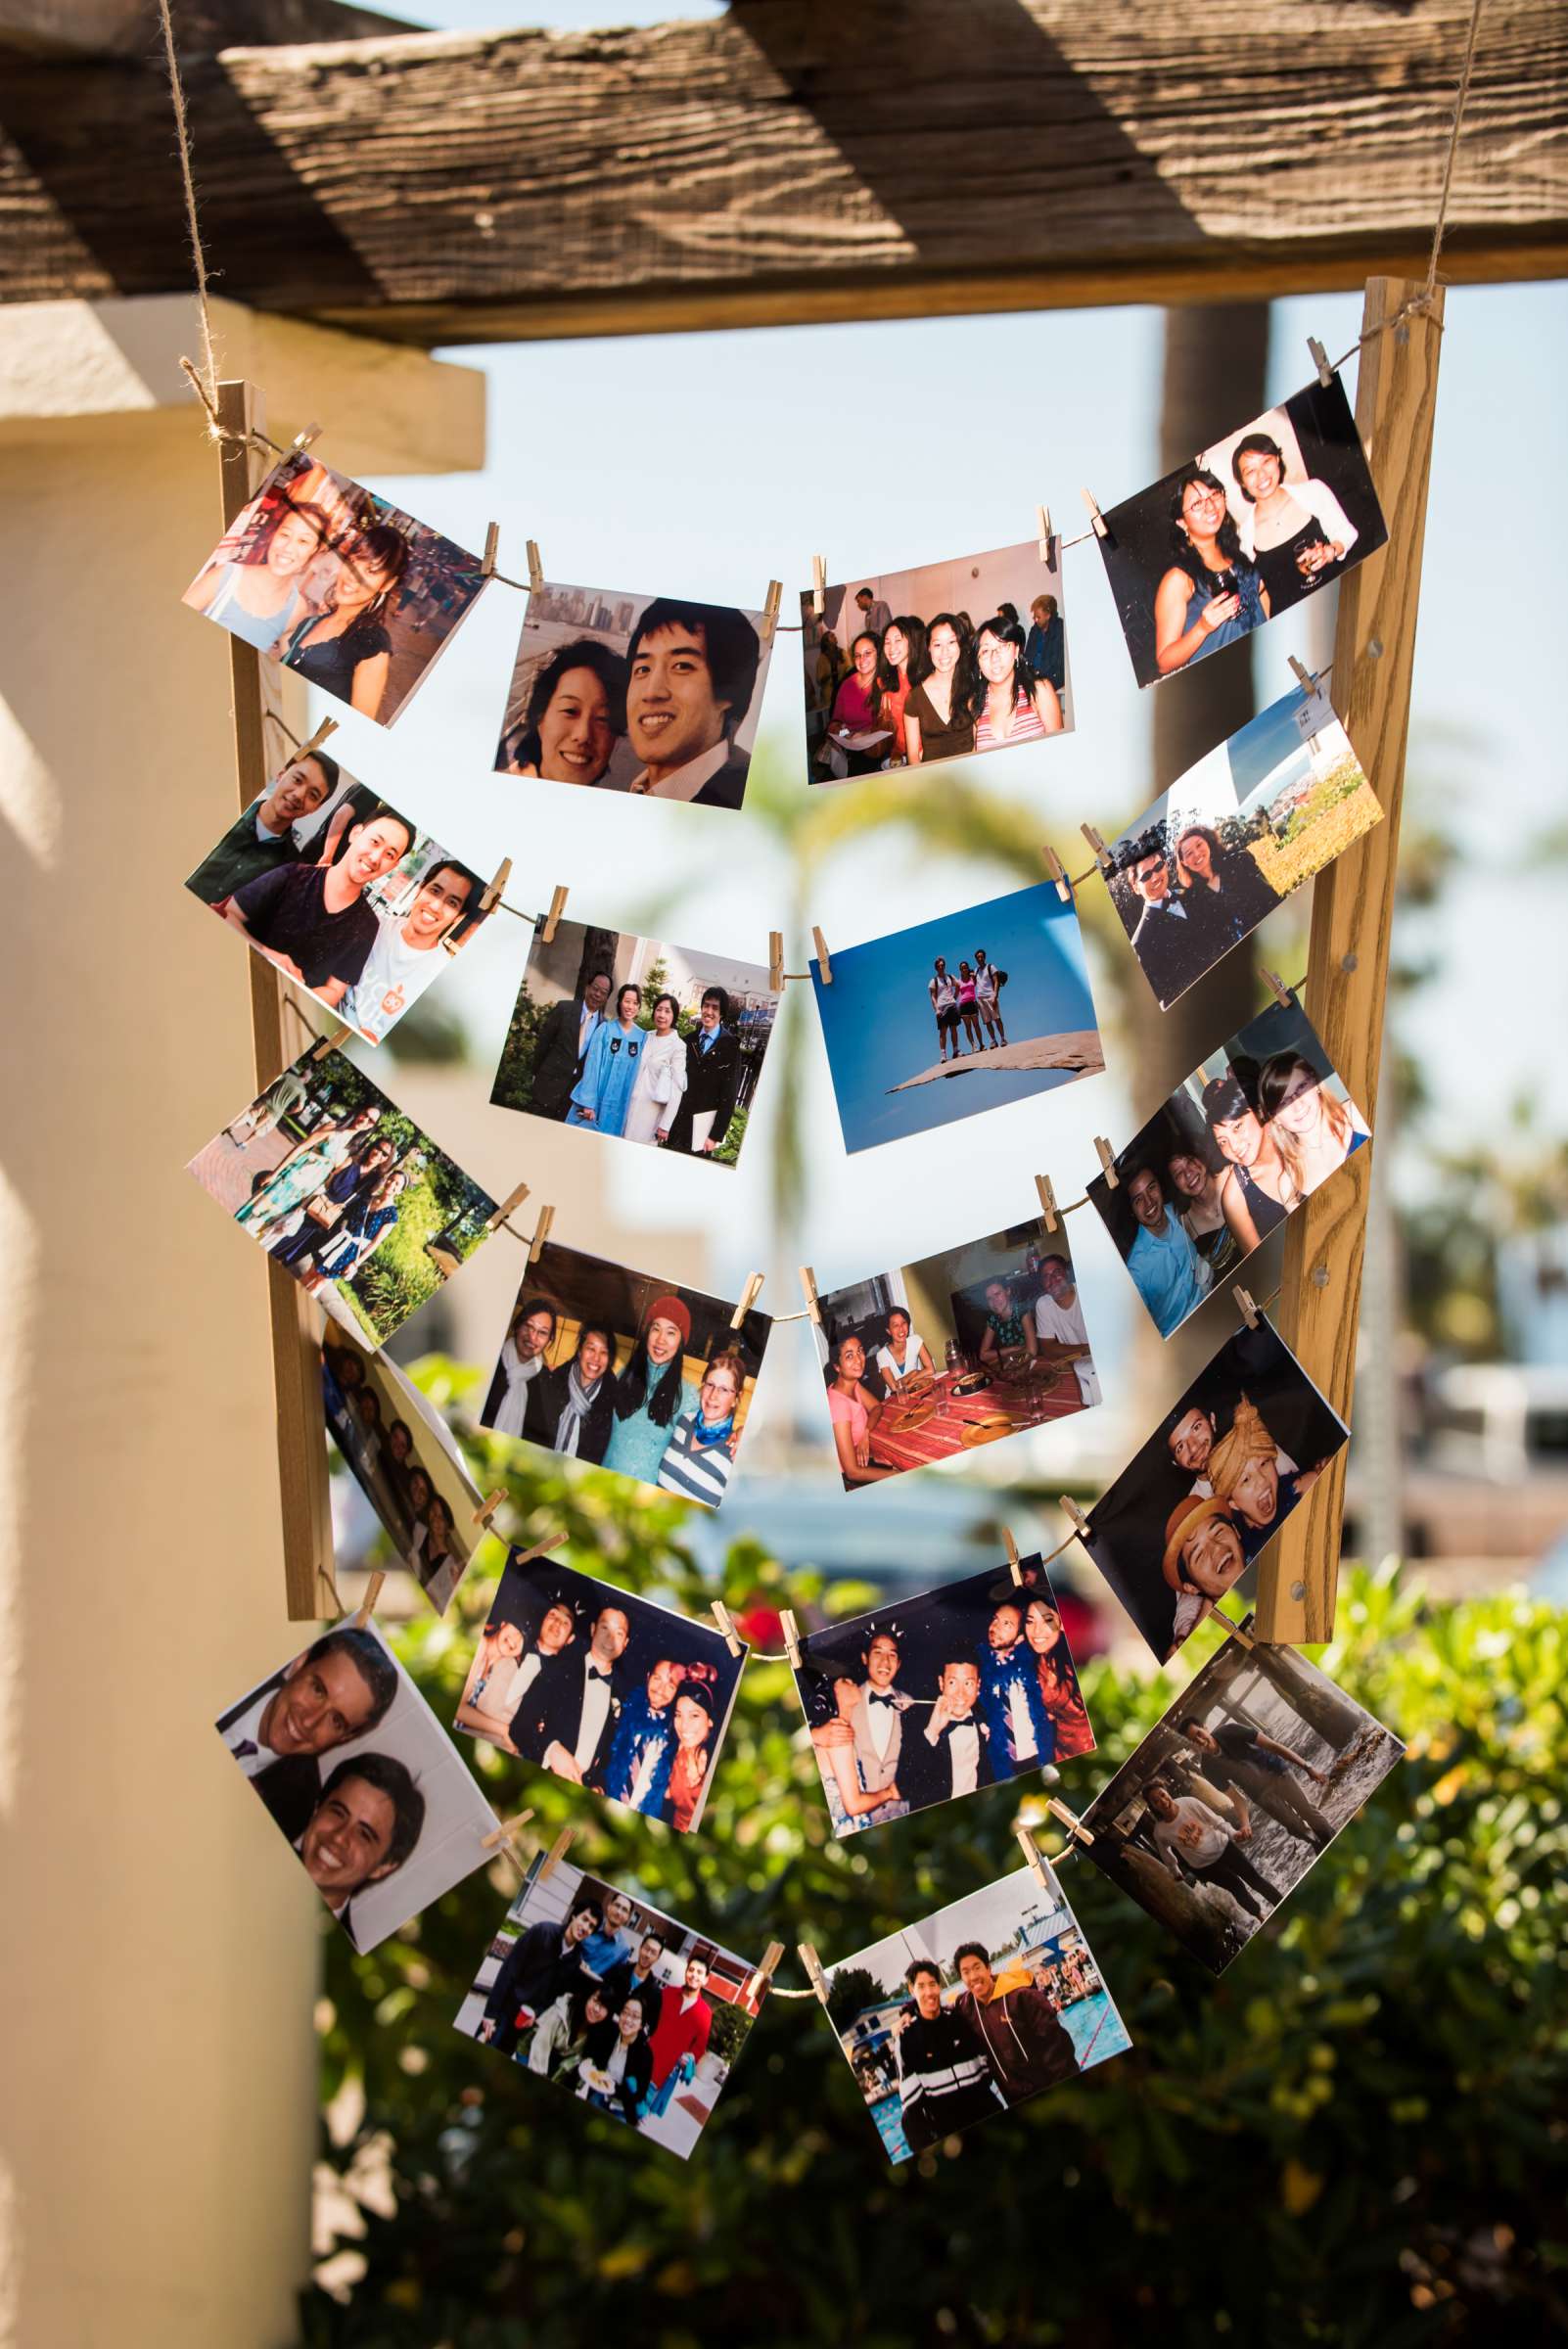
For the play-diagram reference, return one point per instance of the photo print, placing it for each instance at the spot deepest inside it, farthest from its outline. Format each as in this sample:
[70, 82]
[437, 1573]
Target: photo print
[628, 2010]
[1227, 1804]
[954, 1351]
[627, 1372]
[352, 595]
[1234, 836]
[653, 694]
[1247, 1138]
[929, 1698]
[345, 897]
[337, 1185]
[973, 2010]
[1197, 1504]
[942, 661]
[405, 1458]
[628, 1036]
[1266, 517]
[614, 1693]
[360, 1775]
[985, 1006]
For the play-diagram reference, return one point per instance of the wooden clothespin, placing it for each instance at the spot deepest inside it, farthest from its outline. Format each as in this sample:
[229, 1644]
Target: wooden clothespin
[557, 1852]
[792, 1637]
[367, 1605]
[558, 898]
[492, 896]
[1069, 1819]
[1058, 873]
[1240, 1632]
[775, 961]
[500, 1839]
[725, 1621]
[1073, 1513]
[328, 1042]
[1096, 518]
[540, 1232]
[492, 548]
[775, 594]
[541, 1549]
[1305, 677]
[1047, 1200]
[749, 1296]
[1031, 1852]
[1043, 523]
[1242, 1299]
[826, 967]
[813, 1969]
[818, 586]
[763, 1978]
[512, 1199]
[1107, 1159]
[488, 1506]
[1277, 986]
[302, 441]
[323, 733]
[1015, 1570]
[1325, 373]
[1102, 855]
[536, 568]
[813, 1303]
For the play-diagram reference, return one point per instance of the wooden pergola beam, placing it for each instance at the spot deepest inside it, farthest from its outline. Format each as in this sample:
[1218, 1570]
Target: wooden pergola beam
[801, 160]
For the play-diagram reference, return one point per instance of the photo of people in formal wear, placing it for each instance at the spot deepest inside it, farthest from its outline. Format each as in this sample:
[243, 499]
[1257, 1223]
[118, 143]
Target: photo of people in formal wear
[945, 660]
[956, 1351]
[1248, 1136]
[625, 1697]
[341, 893]
[626, 1035]
[349, 1194]
[1234, 836]
[973, 2010]
[1196, 1504]
[348, 591]
[630, 2012]
[1264, 518]
[983, 1007]
[657, 695]
[940, 1695]
[627, 1372]
[359, 1776]
[1229, 1802]
[404, 1459]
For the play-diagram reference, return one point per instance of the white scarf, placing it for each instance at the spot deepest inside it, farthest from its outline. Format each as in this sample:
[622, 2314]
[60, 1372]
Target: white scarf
[518, 1372]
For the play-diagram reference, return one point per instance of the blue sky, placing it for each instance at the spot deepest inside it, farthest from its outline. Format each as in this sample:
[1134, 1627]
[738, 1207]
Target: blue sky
[1272, 738]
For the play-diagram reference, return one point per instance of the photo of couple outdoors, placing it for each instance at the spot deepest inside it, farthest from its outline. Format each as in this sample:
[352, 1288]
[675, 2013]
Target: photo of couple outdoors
[341, 893]
[1198, 1502]
[941, 1695]
[942, 661]
[1235, 1794]
[973, 2010]
[632, 2014]
[402, 1455]
[654, 695]
[352, 594]
[626, 1372]
[1227, 1160]
[628, 1036]
[1258, 521]
[345, 1192]
[956, 1351]
[1234, 836]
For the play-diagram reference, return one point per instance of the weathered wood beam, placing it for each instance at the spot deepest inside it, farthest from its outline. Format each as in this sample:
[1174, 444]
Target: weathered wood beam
[802, 160]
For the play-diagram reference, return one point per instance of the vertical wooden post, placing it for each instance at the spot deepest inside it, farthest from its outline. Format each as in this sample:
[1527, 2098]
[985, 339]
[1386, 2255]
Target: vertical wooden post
[296, 1340]
[1353, 916]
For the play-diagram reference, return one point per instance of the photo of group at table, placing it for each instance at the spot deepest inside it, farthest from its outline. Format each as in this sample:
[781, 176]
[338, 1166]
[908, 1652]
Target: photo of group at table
[402, 1457]
[972, 2011]
[340, 893]
[654, 695]
[941, 661]
[626, 1372]
[1198, 1502]
[626, 2009]
[612, 1692]
[1270, 513]
[632, 1036]
[1236, 1795]
[350, 593]
[1225, 1160]
[954, 1351]
[940, 1695]
[345, 1192]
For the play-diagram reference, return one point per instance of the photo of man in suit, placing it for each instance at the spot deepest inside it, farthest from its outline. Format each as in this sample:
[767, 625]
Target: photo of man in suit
[541, 1963]
[1163, 940]
[572, 1709]
[691, 672]
[367, 1820]
[712, 1079]
[950, 1755]
[877, 1725]
[562, 1044]
[340, 1688]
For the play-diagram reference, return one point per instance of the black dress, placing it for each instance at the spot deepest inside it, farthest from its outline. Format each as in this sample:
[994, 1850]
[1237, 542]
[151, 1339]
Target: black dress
[949, 738]
[331, 664]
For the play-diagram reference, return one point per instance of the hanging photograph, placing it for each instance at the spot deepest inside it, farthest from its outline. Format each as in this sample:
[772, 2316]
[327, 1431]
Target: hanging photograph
[336, 1184]
[971, 2012]
[627, 1698]
[988, 1005]
[627, 1372]
[1276, 510]
[631, 2012]
[653, 694]
[631, 1037]
[405, 1458]
[954, 1351]
[1225, 1805]
[1248, 1136]
[933, 1697]
[1199, 1502]
[352, 594]
[942, 662]
[358, 1775]
[341, 893]
[1234, 836]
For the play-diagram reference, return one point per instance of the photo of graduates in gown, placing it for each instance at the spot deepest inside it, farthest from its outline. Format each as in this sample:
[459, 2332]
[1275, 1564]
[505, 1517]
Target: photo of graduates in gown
[404, 1460]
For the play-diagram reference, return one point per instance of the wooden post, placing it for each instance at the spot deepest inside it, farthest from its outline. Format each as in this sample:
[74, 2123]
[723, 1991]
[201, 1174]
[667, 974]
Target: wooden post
[296, 1340]
[1353, 917]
